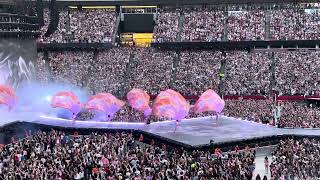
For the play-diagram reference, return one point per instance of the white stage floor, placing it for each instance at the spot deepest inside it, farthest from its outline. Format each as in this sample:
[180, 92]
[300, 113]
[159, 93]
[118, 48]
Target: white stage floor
[194, 132]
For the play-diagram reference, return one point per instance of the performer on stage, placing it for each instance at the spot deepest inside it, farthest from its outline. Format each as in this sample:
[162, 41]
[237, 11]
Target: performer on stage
[177, 124]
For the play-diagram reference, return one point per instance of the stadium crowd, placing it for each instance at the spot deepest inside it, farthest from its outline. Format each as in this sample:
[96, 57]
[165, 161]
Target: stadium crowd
[246, 25]
[190, 72]
[295, 114]
[86, 25]
[251, 110]
[198, 71]
[42, 72]
[167, 26]
[151, 70]
[296, 72]
[296, 159]
[247, 73]
[288, 22]
[194, 28]
[294, 23]
[108, 71]
[57, 155]
[70, 67]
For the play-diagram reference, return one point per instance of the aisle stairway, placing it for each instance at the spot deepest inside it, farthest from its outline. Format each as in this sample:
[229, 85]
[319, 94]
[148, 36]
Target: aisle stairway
[125, 84]
[222, 72]
[175, 66]
[273, 71]
[267, 25]
[261, 153]
[180, 27]
[91, 70]
[47, 65]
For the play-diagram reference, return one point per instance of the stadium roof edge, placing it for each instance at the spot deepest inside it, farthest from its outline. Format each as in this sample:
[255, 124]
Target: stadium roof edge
[170, 2]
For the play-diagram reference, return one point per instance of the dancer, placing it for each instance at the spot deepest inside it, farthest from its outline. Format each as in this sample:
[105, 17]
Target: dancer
[177, 124]
[217, 117]
[266, 164]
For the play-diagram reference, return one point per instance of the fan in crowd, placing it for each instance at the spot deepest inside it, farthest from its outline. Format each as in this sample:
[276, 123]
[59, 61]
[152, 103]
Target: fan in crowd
[57, 155]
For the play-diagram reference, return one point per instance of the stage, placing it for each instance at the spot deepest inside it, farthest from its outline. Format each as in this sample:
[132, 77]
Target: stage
[191, 132]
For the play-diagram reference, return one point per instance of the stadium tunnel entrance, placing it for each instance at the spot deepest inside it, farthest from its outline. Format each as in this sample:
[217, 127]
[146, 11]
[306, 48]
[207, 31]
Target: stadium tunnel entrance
[136, 25]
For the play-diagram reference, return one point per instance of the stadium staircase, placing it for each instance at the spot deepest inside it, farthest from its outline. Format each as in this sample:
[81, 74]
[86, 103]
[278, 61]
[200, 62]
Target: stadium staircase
[115, 30]
[180, 27]
[273, 71]
[125, 84]
[267, 25]
[47, 65]
[85, 79]
[175, 66]
[225, 28]
[222, 75]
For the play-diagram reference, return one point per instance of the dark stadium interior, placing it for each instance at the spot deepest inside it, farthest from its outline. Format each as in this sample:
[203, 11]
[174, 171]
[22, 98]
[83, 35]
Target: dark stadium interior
[224, 90]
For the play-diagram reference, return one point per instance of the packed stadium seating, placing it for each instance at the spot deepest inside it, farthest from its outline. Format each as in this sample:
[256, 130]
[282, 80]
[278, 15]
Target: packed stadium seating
[295, 114]
[57, 155]
[296, 159]
[95, 25]
[251, 110]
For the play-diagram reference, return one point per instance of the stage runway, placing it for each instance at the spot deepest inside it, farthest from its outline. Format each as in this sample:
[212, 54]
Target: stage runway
[193, 132]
